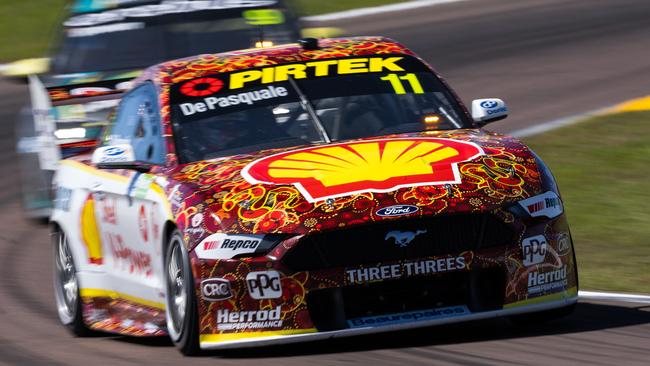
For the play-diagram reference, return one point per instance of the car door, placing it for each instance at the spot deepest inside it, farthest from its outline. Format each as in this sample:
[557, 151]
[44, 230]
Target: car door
[127, 206]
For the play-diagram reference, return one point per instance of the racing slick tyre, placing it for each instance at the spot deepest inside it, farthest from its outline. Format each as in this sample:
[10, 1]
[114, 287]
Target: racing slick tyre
[66, 286]
[181, 309]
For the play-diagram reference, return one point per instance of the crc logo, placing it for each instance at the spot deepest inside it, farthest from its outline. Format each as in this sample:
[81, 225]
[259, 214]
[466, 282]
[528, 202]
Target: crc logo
[397, 210]
[534, 250]
[403, 239]
[216, 289]
[264, 285]
[563, 244]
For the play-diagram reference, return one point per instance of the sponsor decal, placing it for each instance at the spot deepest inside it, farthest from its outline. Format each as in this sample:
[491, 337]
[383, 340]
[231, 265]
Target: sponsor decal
[127, 259]
[215, 289]
[143, 225]
[90, 91]
[493, 107]
[215, 103]
[140, 185]
[222, 246]
[534, 250]
[242, 320]
[321, 68]
[62, 200]
[541, 282]
[109, 210]
[103, 29]
[175, 197]
[264, 285]
[201, 87]
[90, 232]
[381, 165]
[405, 269]
[403, 239]
[153, 10]
[409, 317]
[563, 244]
[488, 104]
[197, 220]
[114, 154]
[546, 204]
[397, 210]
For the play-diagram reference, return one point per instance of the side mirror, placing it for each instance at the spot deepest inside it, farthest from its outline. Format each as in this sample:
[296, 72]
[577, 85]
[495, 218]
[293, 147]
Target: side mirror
[118, 157]
[485, 111]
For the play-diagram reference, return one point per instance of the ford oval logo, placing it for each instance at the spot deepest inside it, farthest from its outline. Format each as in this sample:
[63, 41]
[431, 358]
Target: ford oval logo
[397, 210]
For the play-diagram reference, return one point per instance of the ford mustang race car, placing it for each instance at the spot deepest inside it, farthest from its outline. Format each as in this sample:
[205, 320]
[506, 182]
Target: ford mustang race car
[306, 191]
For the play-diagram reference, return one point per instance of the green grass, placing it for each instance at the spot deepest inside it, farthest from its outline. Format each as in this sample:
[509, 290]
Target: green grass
[313, 7]
[602, 167]
[28, 26]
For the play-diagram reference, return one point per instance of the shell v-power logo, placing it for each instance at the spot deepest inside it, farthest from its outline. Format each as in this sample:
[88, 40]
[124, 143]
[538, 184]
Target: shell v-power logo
[381, 165]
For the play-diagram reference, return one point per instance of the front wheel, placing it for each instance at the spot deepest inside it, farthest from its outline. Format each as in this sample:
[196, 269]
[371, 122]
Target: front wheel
[181, 309]
[66, 286]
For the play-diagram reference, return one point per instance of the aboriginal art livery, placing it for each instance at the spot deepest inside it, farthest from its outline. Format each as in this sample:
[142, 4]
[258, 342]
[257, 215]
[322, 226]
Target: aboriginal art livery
[299, 192]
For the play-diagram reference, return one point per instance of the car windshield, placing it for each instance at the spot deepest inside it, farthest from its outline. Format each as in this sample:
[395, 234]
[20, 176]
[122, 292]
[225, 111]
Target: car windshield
[309, 103]
[136, 37]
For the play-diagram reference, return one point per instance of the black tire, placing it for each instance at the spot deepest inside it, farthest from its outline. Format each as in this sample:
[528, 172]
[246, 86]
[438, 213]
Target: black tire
[541, 317]
[181, 308]
[66, 287]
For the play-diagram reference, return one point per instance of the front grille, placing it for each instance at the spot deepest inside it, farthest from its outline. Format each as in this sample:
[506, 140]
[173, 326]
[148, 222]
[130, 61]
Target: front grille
[479, 290]
[371, 243]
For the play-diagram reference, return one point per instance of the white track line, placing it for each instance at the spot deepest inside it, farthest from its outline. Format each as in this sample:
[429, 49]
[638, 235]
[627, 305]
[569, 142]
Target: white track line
[538, 128]
[612, 296]
[377, 10]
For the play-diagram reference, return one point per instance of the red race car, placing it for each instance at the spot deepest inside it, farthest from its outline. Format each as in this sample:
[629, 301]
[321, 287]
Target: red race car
[328, 188]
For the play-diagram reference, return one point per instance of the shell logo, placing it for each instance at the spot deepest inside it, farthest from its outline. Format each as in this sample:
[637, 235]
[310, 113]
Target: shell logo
[382, 165]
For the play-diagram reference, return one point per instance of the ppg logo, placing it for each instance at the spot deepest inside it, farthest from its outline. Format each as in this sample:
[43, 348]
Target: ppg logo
[216, 289]
[534, 250]
[264, 285]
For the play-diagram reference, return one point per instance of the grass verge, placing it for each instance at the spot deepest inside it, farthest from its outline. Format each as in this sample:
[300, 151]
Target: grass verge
[313, 7]
[27, 27]
[602, 166]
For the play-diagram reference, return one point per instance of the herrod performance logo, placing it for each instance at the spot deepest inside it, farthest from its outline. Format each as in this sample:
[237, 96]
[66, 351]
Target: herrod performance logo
[381, 165]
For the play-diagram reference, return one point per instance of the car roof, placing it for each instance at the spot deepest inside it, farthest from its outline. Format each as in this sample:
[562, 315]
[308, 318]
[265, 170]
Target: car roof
[175, 71]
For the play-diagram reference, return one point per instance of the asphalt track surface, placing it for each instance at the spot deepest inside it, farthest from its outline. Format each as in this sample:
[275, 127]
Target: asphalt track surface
[547, 58]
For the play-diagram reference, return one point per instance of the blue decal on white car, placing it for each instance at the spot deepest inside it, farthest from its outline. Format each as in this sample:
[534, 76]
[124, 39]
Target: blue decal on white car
[409, 317]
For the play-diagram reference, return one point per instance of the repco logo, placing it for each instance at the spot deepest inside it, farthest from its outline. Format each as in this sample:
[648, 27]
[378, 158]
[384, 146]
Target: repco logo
[216, 289]
[264, 285]
[534, 250]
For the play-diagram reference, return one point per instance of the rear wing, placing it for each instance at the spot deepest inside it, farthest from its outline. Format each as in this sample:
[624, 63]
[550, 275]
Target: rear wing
[56, 107]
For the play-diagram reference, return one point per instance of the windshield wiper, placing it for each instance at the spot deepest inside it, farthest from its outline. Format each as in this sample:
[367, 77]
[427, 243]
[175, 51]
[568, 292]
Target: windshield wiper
[309, 108]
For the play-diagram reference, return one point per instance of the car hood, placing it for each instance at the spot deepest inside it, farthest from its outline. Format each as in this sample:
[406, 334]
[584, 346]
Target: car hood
[302, 189]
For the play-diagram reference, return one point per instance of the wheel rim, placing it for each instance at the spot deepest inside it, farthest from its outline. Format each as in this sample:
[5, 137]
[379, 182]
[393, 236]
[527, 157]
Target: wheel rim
[176, 278]
[66, 285]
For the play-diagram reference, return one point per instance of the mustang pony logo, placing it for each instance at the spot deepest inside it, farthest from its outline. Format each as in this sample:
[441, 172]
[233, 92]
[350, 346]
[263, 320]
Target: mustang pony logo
[403, 239]
[381, 165]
